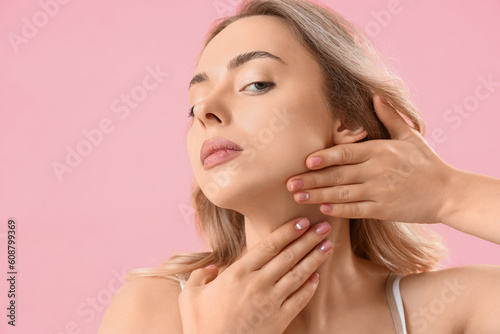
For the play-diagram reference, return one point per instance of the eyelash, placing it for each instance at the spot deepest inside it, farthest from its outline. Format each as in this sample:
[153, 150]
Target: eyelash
[269, 85]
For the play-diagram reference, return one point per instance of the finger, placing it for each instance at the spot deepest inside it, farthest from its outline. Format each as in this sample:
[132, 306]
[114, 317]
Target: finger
[341, 154]
[295, 252]
[392, 120]
[203, 276]
[328, 177]
[292, 306]
[364, 209]
[294, 278]
[339, 194]
[272, 245]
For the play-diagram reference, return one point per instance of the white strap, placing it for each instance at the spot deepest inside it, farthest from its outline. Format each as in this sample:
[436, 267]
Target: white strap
[399, 302]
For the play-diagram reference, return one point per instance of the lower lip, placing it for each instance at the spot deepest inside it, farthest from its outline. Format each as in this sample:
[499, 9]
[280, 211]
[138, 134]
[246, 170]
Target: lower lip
[219, 157]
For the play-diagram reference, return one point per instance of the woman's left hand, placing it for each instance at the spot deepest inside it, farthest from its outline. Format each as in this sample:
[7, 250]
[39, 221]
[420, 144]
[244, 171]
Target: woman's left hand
[400, 179]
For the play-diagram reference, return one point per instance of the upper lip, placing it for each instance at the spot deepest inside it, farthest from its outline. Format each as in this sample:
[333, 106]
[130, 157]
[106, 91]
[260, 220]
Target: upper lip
[215, 144]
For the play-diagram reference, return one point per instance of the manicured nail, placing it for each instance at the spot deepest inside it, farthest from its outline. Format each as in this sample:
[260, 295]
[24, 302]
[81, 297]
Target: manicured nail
[322, 228]
[210, 266]
[325, 246]
[301, 196]
[326, 208]
[314, 278]
[314, 161]
[296, 185]
[302, 224]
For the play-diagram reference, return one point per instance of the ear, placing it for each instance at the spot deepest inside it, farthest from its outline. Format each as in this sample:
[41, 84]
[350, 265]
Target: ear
[344, 135]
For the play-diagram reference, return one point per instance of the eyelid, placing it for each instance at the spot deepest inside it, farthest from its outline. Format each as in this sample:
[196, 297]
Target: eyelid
[258, 92]
[270, 86]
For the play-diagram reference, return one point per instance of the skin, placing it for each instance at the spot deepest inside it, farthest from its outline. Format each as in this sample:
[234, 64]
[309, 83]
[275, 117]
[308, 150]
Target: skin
[451, 196]
[262, 197]
[353, 288]
[350, 296]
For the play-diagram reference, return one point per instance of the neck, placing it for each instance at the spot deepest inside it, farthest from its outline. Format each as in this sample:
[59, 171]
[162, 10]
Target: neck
[344, 277]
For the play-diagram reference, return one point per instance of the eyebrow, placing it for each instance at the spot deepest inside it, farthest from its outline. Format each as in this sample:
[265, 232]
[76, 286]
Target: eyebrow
[236, 62]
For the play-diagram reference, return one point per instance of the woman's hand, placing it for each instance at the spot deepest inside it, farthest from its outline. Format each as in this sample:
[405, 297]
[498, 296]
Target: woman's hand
[400, 179]
[264, 290]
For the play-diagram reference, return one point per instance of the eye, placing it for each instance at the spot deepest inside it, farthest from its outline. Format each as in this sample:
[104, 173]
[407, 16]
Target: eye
[261, 86]
[191, 112]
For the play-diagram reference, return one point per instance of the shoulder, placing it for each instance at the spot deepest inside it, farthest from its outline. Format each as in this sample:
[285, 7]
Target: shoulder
[467, 297]
[144, 305]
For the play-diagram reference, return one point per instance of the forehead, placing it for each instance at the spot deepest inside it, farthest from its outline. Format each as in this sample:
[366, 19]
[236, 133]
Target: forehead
[260, 32]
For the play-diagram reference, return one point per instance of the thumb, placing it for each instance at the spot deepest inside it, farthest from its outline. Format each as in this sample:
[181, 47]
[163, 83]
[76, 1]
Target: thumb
[202, 276]
[392, 120]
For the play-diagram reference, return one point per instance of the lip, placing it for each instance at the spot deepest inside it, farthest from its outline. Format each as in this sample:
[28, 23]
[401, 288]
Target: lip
[217, 151]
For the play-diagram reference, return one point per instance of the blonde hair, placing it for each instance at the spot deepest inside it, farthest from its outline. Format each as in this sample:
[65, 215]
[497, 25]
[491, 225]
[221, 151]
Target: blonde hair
[353, 72]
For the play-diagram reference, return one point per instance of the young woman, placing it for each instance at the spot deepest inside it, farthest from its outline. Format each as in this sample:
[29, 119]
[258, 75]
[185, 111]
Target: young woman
[281, 88]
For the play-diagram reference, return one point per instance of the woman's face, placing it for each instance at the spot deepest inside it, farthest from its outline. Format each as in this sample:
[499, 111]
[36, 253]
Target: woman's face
[271, 105]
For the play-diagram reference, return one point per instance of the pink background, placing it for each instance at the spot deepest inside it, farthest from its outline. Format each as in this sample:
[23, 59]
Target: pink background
[126, 204]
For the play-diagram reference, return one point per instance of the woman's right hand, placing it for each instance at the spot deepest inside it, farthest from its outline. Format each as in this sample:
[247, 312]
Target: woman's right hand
[264, 290]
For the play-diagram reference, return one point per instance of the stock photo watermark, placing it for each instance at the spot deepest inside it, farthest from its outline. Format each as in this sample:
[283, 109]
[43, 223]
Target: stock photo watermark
[252, 321]
[265, 136]
[121, 107]
[382, 18]
[428, 313]
[456, 114]
[31, 26]
[225, 7]
[94, 305]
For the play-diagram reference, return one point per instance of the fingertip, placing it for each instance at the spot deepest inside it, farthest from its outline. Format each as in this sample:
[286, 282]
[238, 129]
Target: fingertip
[314, 161]
[326, 208]
[302, 224]
[314, 278]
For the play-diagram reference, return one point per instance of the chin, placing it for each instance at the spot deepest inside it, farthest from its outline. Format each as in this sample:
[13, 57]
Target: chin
[234, 191]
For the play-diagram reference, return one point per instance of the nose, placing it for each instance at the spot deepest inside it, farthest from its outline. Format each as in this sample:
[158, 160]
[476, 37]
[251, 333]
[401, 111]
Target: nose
[211, 111]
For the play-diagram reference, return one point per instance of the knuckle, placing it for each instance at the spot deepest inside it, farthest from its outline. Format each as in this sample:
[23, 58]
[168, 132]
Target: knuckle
[356, 210]
[337, 177]
[344, 194]
[269, 247]
[345, 155]
[254, 288]
[288, 255]
[297, 274]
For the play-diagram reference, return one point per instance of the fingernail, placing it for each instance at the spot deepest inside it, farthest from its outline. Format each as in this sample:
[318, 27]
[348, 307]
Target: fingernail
[314, 161]
[211, 266]
[323, 228]
[301, 196]
[302, 224]
[326, 208]
[314, 278]
[384, 100]
[296, 184]
[325, 246]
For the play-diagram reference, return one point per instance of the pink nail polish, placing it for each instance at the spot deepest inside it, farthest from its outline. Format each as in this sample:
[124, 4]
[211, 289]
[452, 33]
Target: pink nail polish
[296, 184]
[325, 246]
[326, 208]
[302, 224]
[314, 278]
[302, 196]
[314, 161]
[322, 228]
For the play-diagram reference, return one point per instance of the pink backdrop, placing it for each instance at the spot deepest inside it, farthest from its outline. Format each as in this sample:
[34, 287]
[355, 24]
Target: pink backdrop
[66, 68]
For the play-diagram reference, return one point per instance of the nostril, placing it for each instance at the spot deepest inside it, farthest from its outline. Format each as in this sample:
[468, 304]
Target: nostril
[217, 118]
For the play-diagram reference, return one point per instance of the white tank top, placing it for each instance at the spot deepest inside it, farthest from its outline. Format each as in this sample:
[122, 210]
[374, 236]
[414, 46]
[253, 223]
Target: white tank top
[394, 300]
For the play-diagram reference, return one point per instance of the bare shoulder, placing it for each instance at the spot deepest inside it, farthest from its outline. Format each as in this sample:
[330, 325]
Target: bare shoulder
[144, 305]
[455, 300]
